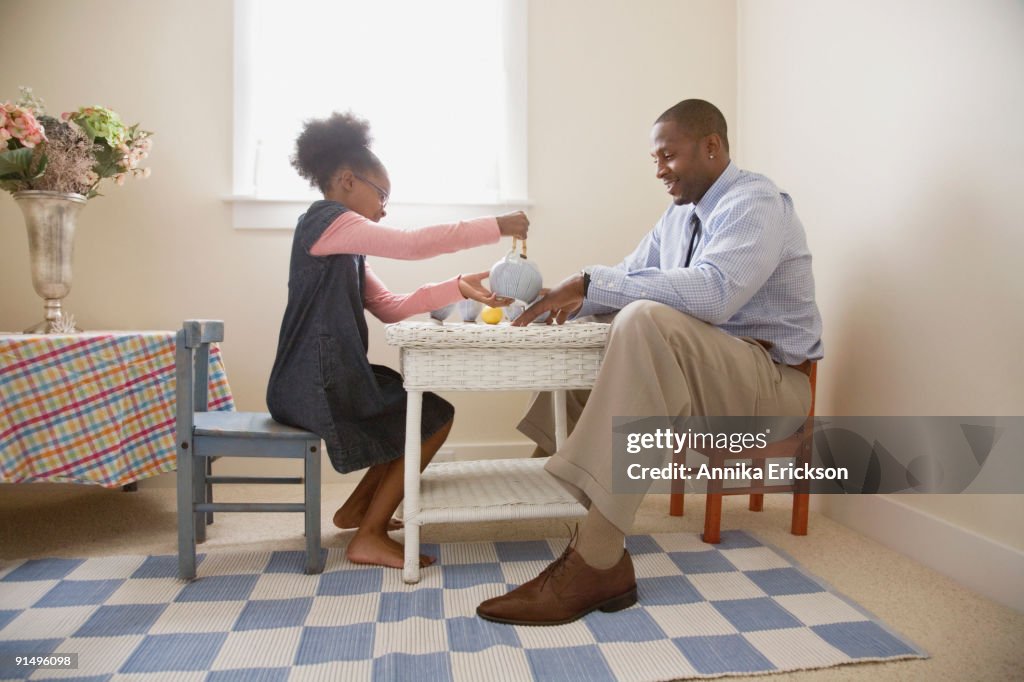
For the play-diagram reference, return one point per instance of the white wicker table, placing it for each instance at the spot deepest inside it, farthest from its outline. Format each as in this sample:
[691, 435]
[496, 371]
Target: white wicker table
[480, 357]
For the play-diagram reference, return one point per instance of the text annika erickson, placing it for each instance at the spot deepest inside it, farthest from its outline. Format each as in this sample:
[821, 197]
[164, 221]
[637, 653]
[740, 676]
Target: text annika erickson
[667, 439]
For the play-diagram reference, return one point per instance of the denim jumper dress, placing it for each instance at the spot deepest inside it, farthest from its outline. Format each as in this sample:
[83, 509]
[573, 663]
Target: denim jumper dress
[322, 380]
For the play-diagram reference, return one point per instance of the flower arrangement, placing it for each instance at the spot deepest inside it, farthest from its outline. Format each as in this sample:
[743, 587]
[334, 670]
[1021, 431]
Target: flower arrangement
[73, 153]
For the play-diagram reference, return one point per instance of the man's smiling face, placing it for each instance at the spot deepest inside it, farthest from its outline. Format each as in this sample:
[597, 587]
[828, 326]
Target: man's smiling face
[682, 162]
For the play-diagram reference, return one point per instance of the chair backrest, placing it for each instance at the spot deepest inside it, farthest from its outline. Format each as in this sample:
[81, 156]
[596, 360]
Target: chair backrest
[806, 444]
[814, 387]
[192, 369]
[198, 332]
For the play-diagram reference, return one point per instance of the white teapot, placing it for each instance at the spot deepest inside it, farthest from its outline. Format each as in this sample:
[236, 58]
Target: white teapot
[516, 277]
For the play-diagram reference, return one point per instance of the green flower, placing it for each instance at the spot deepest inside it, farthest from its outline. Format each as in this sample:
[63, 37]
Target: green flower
[101, 123]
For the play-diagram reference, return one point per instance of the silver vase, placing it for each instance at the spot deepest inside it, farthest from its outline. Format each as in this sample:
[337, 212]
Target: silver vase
[50, 221]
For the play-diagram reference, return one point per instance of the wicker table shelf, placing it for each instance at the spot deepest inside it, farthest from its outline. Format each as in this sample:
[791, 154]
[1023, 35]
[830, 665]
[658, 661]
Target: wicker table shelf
[477, 357]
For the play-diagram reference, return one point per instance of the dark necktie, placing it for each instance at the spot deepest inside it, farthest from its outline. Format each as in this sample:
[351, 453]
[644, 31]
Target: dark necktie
[693, 239]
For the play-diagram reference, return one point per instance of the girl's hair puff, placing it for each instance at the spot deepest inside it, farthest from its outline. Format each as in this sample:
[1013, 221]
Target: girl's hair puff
[326, 145]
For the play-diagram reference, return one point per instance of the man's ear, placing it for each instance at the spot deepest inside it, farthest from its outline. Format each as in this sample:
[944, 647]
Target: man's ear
[713, 145]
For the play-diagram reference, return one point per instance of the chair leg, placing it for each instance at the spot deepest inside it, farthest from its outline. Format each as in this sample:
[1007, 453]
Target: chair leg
[314, 561]
[801, 498]
[678, 486]
[713, 506]
[757, 499]
[186, 521]
[801, 505]
[713, 519]
[675, 504]
[209, 489]
[199, 495]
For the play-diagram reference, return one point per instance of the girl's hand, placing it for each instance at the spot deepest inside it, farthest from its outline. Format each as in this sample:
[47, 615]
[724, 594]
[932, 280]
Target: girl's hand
[514, 224]
[470, 287]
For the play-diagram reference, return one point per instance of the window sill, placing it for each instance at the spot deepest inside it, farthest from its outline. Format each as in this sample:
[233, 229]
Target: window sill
[257, 213]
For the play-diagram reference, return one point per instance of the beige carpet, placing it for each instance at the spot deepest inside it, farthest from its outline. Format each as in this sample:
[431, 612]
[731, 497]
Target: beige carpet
[968, 637]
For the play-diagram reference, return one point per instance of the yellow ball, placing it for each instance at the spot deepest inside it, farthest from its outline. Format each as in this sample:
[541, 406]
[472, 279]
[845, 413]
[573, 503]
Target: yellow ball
[492, 315]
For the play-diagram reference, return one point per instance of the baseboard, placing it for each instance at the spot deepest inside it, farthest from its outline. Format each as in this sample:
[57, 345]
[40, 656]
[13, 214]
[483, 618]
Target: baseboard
[972, 560]
[507, 450]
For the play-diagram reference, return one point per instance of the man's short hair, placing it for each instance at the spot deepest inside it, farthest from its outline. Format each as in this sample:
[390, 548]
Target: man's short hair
[699, 118]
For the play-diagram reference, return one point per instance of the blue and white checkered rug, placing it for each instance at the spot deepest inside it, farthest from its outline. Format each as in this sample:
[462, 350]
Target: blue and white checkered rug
[736, 608]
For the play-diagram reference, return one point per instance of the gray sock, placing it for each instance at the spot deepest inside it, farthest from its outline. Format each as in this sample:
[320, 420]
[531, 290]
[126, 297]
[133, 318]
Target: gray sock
[600, 543]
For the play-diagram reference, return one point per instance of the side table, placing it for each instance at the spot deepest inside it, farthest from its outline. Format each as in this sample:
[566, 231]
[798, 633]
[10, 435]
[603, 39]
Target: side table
[92, 407]
[479, 357]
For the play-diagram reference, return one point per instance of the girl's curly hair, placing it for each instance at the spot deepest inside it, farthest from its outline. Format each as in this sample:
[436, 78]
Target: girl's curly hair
[327, 144]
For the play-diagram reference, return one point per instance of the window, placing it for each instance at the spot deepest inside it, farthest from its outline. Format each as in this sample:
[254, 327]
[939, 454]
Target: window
[442, 84]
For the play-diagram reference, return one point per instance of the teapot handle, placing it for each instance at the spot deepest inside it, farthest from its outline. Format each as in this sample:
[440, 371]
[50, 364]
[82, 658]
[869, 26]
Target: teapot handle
[515, 241]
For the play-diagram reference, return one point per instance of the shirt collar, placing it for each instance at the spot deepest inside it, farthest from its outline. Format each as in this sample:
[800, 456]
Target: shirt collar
[719, 187]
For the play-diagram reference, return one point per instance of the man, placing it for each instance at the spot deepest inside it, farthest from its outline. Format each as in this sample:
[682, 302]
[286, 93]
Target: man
[715, 316]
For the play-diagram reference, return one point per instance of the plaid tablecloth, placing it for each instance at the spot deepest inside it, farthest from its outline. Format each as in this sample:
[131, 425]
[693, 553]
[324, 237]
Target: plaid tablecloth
[92, 407]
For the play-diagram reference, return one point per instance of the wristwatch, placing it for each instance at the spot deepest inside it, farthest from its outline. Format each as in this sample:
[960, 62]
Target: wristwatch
[586, 281]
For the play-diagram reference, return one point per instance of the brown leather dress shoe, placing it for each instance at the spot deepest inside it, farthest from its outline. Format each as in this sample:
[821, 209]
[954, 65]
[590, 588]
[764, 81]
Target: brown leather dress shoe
[566, 590]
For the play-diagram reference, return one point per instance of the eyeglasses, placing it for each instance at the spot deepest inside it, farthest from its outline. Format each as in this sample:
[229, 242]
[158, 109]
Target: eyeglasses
[381, 194]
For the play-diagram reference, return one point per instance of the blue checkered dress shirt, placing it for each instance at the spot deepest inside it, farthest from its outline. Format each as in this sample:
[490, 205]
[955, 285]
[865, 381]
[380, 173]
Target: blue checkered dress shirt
[750, 274]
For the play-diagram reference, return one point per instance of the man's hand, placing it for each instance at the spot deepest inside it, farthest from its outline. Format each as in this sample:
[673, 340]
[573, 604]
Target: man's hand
[514, 224]
[561, 302]
[470, 286]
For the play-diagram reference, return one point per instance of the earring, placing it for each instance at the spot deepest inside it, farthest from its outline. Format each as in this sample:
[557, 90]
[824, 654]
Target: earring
[711, 156]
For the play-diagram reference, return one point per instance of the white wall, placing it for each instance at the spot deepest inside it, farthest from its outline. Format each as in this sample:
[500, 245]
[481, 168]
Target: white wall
[897, 128]
[155, 252]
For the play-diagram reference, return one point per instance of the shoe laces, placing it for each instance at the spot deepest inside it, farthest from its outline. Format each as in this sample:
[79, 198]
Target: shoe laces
[558, 565]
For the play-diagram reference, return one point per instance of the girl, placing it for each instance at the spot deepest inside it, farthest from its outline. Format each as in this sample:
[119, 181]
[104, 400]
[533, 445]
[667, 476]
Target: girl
[322, 380]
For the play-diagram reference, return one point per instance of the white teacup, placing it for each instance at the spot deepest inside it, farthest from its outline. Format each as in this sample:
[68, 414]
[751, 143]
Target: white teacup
[470, 309]
[441, 314]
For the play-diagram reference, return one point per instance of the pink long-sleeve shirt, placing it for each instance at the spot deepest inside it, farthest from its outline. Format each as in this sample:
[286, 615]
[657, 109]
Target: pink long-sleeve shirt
[353, 233]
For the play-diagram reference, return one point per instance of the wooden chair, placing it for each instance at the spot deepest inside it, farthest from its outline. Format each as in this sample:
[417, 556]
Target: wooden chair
[799, 445]
[203, 436]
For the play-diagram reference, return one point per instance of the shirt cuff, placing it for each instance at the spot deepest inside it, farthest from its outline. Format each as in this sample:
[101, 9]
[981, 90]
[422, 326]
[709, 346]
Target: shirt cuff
[607, 286]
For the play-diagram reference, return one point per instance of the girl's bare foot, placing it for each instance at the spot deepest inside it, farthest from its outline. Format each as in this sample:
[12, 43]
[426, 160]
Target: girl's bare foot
[348, 520]
[366, 548]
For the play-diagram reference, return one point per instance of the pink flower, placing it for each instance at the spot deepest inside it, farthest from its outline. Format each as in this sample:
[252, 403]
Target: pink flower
[22, 125]
[5, 122]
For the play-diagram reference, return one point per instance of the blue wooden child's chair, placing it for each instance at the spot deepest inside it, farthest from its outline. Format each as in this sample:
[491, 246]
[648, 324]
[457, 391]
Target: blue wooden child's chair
[204, 435]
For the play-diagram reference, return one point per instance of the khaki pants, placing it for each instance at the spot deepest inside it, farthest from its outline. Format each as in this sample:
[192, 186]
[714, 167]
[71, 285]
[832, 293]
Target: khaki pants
[658, 362]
